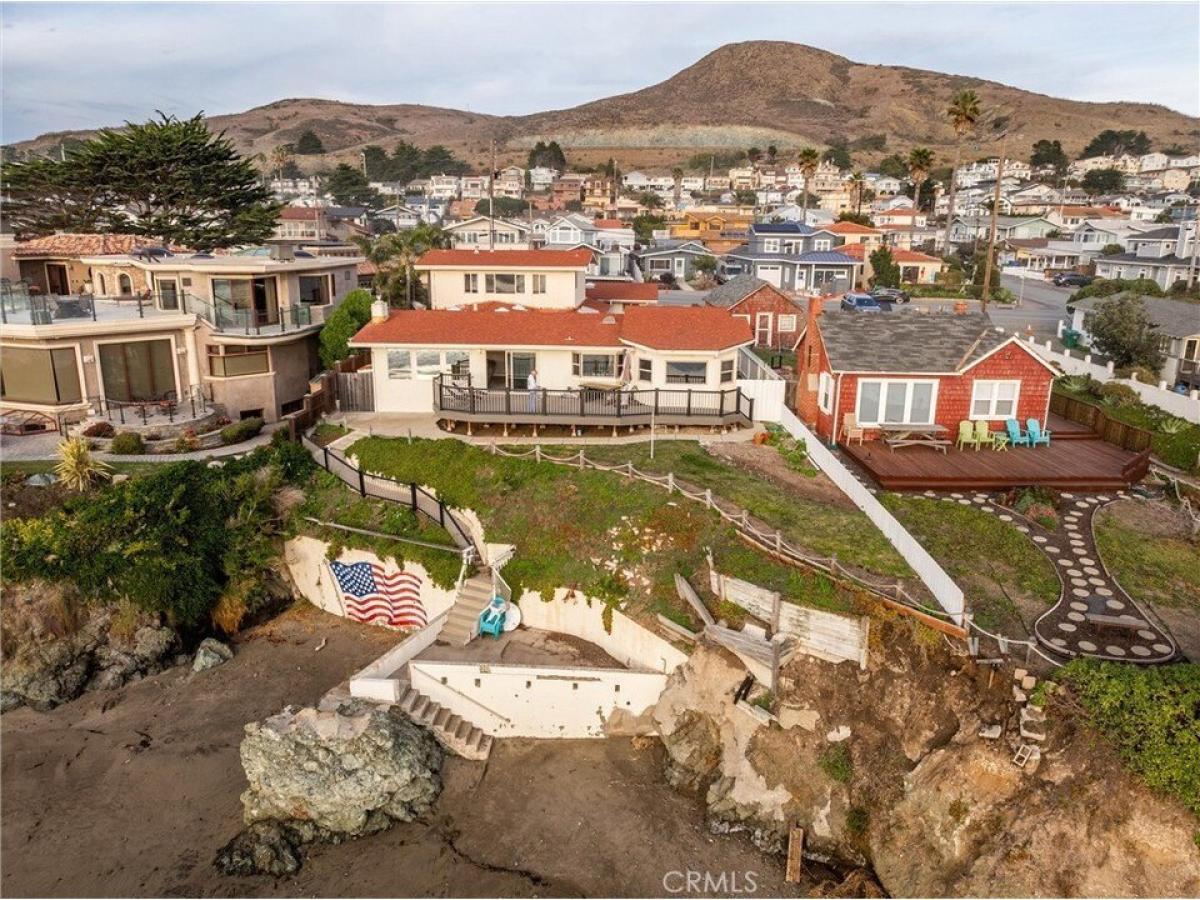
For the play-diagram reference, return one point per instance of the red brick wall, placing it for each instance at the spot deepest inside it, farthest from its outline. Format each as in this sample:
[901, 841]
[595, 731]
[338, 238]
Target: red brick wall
[1011, 362]
[769, 300]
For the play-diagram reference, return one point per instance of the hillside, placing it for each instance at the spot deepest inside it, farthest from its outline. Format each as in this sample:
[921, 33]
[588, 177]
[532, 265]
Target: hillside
[752, 93]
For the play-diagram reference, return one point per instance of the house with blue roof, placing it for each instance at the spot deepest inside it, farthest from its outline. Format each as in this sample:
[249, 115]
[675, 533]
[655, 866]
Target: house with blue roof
[793, 257]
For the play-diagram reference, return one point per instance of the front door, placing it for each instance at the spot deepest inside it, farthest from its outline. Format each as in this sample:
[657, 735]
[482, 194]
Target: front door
[762, 329]
[56, 279]
[518, 366]
[168, 293]
[680, 266]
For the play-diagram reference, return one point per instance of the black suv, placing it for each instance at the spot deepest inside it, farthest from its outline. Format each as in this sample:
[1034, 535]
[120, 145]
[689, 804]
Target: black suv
[1072, 279]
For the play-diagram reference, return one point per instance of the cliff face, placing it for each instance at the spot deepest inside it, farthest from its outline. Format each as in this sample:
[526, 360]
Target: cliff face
[886, 768]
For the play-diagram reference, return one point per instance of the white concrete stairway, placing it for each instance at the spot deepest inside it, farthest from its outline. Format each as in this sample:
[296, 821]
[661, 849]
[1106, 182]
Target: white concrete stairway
[473, 598]
[452, 731]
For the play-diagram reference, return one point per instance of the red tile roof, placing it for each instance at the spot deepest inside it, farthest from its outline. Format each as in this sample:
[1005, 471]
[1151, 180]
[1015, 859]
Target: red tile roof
[658, 327]
[858, 251]
[72, 245]
[636, 291]
[300, 214]
[610, 223]
[684, 328]
[524, 259]
[850, 228]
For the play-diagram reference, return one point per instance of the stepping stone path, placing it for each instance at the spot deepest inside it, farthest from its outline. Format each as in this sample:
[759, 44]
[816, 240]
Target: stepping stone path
[1087, 588]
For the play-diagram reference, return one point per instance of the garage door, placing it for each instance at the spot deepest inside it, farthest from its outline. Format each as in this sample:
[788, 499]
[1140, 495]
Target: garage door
[770, 274]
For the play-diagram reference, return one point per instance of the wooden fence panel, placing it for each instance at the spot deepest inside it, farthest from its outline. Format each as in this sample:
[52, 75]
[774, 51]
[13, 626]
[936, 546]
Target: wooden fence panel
[356, 391]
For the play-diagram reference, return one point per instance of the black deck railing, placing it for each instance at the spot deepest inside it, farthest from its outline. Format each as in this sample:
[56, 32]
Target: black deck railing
[604, 406]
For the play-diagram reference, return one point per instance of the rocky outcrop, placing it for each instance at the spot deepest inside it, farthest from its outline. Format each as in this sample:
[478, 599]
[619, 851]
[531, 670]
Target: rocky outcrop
[209, 654]
[885, 768]
[328, 775]
[56, 647]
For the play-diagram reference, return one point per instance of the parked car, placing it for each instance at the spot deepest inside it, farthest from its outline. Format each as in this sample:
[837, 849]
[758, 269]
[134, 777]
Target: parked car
[1072, 279]
[892, 295]
[861, 303]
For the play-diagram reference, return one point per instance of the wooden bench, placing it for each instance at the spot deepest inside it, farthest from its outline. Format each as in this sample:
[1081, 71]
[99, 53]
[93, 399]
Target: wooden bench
[1116, 623]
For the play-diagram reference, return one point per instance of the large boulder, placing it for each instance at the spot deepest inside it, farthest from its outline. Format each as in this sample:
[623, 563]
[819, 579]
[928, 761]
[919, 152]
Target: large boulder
[348, 771]
[209, 654]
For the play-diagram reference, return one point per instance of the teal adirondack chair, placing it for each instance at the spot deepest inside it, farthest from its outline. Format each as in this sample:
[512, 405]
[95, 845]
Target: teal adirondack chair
[983, 435]
[966, 435]
[492, 620]
[1036, 435]
[1016, 436]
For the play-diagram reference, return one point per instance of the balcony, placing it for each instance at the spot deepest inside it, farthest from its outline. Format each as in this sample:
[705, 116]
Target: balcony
[592, 406]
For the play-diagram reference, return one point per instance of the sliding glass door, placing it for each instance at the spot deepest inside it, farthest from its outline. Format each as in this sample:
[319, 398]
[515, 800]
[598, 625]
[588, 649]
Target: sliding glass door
[137, 370]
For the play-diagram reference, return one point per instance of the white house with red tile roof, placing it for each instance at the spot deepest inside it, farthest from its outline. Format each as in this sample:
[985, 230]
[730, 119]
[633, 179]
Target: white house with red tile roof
[915, 267]
[513, 337]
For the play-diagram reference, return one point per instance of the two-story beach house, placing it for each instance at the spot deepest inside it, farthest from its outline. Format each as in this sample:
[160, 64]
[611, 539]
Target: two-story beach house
[792, 256]
[512, 338]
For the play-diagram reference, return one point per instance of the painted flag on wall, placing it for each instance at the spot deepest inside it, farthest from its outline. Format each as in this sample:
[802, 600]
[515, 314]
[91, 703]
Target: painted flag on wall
[372, 594]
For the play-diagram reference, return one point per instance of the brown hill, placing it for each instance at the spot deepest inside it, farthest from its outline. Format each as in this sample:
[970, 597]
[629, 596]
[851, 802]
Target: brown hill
[752, 93]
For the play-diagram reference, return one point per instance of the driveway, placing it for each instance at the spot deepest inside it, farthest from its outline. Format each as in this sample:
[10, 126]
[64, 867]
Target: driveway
[1041, 306]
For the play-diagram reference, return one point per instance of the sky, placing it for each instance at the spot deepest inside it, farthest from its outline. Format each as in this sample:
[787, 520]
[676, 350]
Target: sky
[73, 66]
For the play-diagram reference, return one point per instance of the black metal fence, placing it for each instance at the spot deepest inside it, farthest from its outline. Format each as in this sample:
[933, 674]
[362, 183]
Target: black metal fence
[381, 487]
[589, 403]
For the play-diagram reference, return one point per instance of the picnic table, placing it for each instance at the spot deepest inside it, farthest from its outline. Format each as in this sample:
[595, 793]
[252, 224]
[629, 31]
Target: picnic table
[915, 436]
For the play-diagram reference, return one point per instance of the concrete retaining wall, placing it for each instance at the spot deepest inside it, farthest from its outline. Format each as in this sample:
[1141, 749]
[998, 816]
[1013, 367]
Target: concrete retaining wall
[542, 701]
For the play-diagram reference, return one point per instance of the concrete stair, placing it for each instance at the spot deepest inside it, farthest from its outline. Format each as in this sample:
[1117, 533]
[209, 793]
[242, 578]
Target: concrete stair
[463, 622]
[452, 731]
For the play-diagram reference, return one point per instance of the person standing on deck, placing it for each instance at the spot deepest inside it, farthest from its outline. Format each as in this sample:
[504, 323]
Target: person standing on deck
[532, 386]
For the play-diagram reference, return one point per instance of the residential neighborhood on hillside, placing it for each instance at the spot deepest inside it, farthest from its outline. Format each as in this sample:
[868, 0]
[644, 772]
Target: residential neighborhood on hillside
[781, 480]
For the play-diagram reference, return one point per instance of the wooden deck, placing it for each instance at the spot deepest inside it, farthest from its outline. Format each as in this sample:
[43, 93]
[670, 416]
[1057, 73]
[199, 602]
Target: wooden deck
[1075, 462]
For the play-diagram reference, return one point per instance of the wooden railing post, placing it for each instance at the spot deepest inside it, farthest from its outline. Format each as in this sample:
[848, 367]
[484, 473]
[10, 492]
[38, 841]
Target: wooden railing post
[537, 452]
[619, 392]
[412, 487]
[582, 406]
[656, 401]
[689, 402]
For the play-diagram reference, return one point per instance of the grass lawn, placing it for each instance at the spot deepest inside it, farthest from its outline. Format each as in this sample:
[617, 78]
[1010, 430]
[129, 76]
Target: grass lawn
[618, 540]
[327, 432]
[1163, 570]
[826, 530]
[995, 563]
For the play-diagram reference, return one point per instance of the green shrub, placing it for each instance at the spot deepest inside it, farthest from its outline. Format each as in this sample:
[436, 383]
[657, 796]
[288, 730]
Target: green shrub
[1150, 715]
[837, 764]
[1116, 394]
[342, 324]
[857, 820]
[100, 430]
[241, 430]
[128, 443]
[186, 442]
[1141, 373]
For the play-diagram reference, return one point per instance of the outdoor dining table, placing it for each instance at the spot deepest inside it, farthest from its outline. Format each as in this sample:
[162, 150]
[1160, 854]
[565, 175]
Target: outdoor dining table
[915, 436]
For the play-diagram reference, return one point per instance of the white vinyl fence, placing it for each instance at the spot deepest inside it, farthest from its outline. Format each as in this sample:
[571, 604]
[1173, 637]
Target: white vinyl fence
[763, 385]
[948, 594]
[1185, 406]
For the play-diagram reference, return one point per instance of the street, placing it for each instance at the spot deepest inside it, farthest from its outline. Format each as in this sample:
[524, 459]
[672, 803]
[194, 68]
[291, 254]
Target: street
[1041, 306]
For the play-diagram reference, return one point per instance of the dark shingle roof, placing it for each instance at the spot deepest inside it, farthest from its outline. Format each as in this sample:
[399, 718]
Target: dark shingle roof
[733, 291]
[1178, 318]
[903, 342]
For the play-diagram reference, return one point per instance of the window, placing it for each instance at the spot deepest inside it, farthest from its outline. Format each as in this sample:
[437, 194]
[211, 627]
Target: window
[539, 284]
[687, 372]
[399, 363]
[458, 363]
[771, 245]
[237, 361]
[825, 392]
[658, 265]
[645, 369]
[35, 375]
[822, 244]
[429, 362]
[594, 365]
[314, 289]
[124, 285]
[896, 402]
[505, 284]
[726, 371]
[994, 399]
[137, 370]
[471, 282]
[786, 323]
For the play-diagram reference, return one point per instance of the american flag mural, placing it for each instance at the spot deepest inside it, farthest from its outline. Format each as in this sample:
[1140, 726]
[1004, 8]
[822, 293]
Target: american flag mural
[371, 594]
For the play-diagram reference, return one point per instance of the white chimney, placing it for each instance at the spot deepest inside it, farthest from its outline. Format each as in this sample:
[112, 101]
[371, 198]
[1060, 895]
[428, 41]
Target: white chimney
[379, 311]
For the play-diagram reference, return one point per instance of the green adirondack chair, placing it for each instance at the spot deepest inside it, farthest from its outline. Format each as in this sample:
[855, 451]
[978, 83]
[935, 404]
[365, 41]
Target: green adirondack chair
[983, 434]
[966, 435]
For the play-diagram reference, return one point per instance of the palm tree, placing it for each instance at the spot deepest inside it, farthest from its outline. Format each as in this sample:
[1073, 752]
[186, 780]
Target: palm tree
[858, 185]
[280, 157]
[395, 255]
[677, 174]
[963, 112]
[920, 161]
[809, 160]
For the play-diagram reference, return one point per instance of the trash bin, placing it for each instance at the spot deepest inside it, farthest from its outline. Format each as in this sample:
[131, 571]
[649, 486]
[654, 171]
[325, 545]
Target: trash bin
[1070, 338]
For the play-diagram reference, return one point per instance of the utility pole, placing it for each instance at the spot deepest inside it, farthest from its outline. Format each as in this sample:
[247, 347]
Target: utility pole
[492, 202]
[985, 295]
[1192, 266]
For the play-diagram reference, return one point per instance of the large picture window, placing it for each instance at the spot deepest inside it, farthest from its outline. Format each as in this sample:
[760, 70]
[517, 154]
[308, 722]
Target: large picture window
[36, 375]
[994, 399]
[314, 289]
[687, 372]
[237, 361]
[137, 370]
[896, 402]
[504, 283]
[594, 365]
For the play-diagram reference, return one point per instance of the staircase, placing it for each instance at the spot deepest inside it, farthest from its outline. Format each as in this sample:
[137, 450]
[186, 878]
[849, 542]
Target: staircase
[463, 622]
[452, 731]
